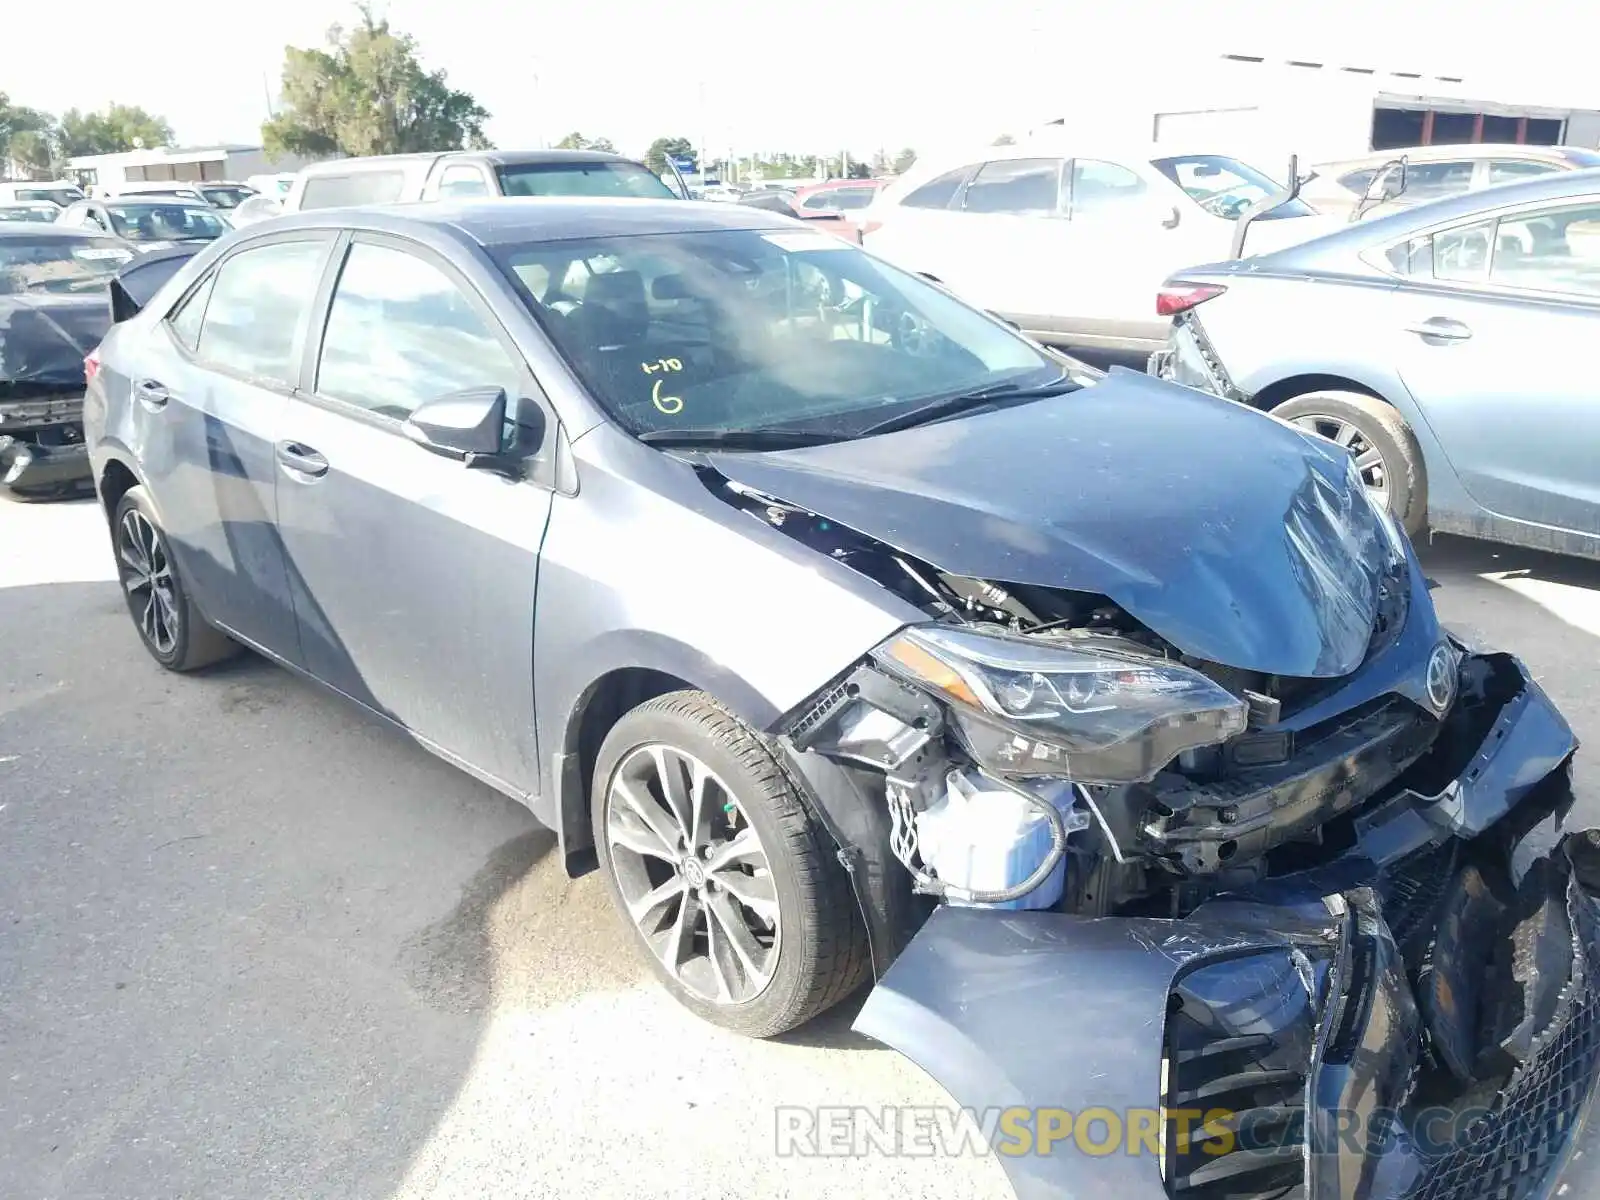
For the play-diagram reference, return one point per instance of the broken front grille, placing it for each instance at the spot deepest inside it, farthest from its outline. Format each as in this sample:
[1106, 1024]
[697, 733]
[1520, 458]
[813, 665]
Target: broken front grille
[1412, 891]
[1510, 1152]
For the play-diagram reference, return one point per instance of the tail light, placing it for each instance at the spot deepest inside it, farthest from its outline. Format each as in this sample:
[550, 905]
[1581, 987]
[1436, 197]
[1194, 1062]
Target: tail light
[91, 366]
[1178, 297]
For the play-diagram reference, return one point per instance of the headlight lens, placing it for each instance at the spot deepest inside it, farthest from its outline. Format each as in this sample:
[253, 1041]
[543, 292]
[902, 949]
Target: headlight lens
[1026, 707]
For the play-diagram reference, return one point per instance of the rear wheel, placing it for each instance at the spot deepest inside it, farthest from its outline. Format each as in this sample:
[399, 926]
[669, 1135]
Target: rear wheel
[169, 625]
[731, 888]
[1385, 450]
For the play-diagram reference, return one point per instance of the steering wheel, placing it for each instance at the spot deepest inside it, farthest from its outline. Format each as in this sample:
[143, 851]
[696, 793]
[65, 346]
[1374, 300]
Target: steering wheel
[910, 334]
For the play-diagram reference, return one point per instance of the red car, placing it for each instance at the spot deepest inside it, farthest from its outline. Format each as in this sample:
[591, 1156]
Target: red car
[839, 197]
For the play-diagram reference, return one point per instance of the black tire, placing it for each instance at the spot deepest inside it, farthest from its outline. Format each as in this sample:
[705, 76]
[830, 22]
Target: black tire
[194, 642]
[822, 952]
[1385, 431]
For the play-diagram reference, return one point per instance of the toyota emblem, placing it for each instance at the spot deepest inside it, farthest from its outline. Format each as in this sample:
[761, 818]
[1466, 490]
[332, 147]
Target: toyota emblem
[1442, 678]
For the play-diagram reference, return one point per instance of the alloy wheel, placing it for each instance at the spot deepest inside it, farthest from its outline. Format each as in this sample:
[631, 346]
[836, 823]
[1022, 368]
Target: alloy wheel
[147, 581]
[693, 874]
[1369, 461]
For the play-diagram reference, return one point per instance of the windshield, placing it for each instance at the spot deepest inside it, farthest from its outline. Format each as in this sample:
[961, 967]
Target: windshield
[60, 196]
[1225, 187]
[29, 212]
[58, 264]
[745, 330]
[603, 178]
[226, 197]
[165, 222]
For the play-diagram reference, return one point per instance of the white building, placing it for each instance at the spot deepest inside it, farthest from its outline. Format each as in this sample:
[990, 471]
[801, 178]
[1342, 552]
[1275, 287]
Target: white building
[173, 163]
[1263, 107]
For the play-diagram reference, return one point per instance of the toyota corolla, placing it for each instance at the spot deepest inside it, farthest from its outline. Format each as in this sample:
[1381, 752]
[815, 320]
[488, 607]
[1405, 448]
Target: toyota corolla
[1106, 724]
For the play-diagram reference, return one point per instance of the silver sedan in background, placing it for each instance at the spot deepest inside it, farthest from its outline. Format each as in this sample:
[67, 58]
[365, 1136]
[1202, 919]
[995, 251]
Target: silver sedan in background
[1442, 345]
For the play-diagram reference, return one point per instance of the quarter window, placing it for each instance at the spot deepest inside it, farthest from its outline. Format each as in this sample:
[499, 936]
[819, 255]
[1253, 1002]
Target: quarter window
[257, 308]
[401, 332]
[937, 193]
[359, 187]
[1015, 185]
[462, 181]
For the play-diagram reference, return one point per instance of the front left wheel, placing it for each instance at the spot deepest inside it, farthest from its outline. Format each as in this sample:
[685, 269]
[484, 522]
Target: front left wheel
[732, 889]
[169, 624]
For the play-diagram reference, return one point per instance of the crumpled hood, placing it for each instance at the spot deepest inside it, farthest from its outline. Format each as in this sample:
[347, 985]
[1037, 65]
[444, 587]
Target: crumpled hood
[43, 340]
[1229, 533]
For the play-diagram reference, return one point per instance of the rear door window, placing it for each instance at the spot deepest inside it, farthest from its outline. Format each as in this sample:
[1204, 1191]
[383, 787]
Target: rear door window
[1103, 187]
[254, 322]
[1554, 250]
[358, 187]
[1021, 186]
[1433, 180]
[1508, 170]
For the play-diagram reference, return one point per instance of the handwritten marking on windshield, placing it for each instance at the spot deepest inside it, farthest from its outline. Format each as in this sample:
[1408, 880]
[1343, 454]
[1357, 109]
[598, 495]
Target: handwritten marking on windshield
[662, 364]
[671, 405]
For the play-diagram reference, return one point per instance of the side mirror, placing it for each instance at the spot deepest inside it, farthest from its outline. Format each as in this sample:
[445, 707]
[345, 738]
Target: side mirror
[1388, 183]
[471, 426]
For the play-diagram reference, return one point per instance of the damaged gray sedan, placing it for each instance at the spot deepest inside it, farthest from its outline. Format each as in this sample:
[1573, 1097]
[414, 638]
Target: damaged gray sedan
[1108, 725]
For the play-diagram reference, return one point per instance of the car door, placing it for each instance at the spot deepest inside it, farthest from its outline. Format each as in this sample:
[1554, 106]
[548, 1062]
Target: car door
[1010, 237]
[209, 389]
[1498, 317]
[413, 575]
[1128, 234]
[921, 230]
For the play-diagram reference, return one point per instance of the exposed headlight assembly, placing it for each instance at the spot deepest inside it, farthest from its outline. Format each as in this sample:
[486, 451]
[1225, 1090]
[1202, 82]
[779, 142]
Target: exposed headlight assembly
[1026, 707]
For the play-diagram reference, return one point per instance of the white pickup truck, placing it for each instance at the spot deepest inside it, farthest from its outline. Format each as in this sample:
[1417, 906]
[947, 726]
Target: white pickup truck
[460, 174]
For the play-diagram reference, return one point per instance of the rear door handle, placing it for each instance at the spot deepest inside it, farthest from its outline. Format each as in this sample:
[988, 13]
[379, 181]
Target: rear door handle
[1443, 328]
[301, 461]
[151, 394]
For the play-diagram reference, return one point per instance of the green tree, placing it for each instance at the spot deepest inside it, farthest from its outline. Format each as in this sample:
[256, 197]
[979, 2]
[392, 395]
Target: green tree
[34, 151]
[576, 141]
[367, 93]
[662, 148]
[18, 119]
[904, 160]
[119, 127]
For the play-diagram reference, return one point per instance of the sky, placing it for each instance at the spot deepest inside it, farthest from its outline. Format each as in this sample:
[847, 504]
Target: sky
[748, 75]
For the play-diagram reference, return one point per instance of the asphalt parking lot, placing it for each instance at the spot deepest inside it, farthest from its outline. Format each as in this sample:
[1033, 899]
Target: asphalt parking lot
[254, 945]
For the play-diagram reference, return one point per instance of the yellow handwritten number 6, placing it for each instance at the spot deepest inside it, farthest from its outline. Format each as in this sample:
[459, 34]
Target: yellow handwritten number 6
[671, 405]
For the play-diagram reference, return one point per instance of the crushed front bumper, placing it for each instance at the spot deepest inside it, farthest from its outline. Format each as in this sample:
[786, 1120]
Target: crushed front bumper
[1294, 1040]
[58, 460]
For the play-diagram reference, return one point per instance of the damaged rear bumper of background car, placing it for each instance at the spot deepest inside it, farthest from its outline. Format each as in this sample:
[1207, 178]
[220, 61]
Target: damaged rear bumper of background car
[1418, 1017]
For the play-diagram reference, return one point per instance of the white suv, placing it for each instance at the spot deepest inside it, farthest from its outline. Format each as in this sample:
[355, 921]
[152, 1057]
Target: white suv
[1073, 242]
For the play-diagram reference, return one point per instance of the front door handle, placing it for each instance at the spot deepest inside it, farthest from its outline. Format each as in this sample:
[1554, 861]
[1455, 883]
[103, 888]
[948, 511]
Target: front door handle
[1442, 329]
[152, 394]
[301, 461]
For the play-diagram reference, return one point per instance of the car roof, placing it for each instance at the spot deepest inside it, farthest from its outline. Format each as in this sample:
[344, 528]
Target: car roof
[1392, 227]
[499, 158]
[1452, 153]
[144, 200]
[40, 229]
[508, 219]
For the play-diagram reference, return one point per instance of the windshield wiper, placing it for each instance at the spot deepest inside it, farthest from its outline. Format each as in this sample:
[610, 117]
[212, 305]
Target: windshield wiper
[736, 439]
[996, 395]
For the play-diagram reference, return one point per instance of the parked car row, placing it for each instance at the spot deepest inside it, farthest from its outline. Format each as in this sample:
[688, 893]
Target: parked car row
[1104, 725]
